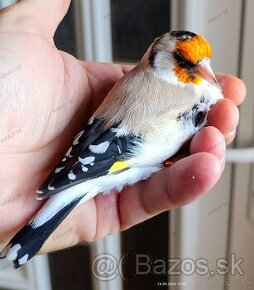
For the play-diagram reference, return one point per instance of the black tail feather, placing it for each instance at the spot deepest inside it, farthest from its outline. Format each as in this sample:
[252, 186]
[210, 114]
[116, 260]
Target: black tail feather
[29, 240]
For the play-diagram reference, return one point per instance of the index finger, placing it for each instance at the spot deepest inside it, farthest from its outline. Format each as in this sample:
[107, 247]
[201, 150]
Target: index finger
[233, 88]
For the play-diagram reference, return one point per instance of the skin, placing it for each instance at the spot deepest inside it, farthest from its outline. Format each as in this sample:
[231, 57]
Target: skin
[47, 95]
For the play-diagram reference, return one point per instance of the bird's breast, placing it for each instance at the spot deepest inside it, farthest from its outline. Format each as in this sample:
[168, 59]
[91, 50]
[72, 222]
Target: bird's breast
[164, 136]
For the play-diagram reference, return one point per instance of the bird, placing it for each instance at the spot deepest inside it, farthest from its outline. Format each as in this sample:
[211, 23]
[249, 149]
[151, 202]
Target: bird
[149, 114]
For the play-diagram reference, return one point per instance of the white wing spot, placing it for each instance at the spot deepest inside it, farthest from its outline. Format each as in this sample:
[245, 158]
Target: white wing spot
[100, 148]
[71, 176]
[86, 160]
[23, 260]
[50, 187]
[119, 131]
[114, 130]
[84, 168]
[92, 164]
[64, 159]
[68, 153]
[39, 191]
[76, 140]
[58, 169]
[90, 122]
[119, 150]
[13, 252]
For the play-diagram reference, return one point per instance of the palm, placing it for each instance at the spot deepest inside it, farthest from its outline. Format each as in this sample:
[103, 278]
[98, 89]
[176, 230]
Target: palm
[47, 82]
[47, 99]
[55, 99]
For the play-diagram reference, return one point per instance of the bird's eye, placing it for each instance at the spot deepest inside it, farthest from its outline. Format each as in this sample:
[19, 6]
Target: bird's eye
[182, 61]
[178, 57]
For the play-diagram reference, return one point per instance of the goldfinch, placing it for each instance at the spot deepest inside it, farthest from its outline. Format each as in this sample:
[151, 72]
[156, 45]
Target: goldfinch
[145, 119]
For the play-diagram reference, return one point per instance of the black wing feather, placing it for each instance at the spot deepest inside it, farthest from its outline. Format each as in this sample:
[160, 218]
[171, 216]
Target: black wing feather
[75, 169]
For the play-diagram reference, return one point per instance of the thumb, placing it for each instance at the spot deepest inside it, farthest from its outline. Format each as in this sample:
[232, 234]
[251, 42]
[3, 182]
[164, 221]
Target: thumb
[34, 16]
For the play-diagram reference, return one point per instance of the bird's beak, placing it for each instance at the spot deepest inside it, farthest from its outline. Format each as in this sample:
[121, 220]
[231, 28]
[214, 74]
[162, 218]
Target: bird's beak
[205, 72]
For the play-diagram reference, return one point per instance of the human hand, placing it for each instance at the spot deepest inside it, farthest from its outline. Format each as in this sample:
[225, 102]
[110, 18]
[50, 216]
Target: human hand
[46, 96]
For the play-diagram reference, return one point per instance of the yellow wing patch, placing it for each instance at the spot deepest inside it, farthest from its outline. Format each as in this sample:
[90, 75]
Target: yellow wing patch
[118, 166]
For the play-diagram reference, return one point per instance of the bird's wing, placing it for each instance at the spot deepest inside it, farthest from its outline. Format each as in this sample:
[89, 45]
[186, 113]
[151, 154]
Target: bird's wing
[94, 153]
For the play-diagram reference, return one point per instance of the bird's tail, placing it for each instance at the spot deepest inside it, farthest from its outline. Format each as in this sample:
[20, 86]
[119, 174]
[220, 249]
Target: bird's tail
[28, 241]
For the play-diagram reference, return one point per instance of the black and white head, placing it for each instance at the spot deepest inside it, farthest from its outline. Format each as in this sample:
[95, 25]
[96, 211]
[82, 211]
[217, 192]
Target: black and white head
[181, 57]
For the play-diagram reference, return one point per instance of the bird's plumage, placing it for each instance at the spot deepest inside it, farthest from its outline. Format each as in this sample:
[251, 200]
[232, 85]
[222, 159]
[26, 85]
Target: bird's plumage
[147, 116]
[95, 152]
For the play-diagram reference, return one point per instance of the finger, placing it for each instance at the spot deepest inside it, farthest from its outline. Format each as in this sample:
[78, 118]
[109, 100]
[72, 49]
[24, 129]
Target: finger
[107, 214]
[178, 185]
[224, 116]
[209, 140]
[126, 67]
[100, 84]
[79, 226]
[35, 16]
[232, 87]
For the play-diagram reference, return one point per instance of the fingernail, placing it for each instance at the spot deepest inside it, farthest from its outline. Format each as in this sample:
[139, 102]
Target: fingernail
[230, 137]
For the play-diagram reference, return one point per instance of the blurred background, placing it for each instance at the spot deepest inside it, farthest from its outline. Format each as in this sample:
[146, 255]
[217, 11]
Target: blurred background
[218, 228]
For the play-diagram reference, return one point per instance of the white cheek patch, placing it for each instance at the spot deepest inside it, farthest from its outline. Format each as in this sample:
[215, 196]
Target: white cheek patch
[100, 148]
